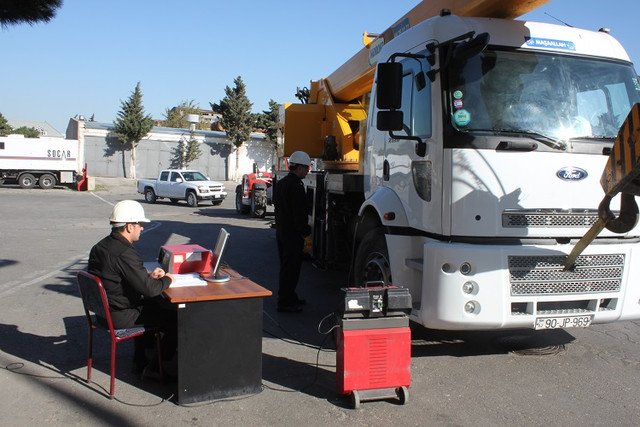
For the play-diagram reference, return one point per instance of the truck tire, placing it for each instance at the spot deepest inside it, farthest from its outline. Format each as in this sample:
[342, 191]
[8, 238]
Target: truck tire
[27, 180]
[47, 181]
[240, 208]
[371, 265]
[192, 199]
[149, 195]
[259, 203]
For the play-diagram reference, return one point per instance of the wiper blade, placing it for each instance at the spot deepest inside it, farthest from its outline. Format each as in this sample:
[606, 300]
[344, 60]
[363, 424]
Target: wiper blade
[546, 140]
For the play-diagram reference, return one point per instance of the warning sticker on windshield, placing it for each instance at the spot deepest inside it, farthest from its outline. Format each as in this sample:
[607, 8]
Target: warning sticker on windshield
[550, 43]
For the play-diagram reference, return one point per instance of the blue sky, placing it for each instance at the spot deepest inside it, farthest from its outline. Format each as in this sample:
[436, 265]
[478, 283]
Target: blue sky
[90, 57]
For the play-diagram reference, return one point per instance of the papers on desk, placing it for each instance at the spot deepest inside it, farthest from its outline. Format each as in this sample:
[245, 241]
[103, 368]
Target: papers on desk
[187, 279]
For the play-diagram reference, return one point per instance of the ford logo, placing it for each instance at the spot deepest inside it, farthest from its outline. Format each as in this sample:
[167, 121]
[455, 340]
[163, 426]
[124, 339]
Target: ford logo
[571, 174]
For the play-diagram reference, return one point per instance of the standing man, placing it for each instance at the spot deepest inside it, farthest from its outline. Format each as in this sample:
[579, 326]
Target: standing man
[292, 226]
[134, 293]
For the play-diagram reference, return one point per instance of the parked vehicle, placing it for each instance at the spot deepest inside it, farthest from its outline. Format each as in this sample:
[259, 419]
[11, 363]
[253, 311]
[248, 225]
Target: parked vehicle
[43, 161]
[190, 185]
[254, 194]
[466, 169]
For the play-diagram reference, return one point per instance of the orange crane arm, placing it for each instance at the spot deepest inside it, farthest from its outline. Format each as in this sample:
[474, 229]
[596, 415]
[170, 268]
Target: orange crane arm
[355, 77]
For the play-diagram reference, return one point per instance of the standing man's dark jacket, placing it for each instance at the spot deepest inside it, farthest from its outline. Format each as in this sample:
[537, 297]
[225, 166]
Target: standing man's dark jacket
[291, 210]
[124, 277]
[291, 228]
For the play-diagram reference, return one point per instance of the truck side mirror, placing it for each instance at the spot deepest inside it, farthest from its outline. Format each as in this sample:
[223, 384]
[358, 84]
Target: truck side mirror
[390, 120]
[389, 86]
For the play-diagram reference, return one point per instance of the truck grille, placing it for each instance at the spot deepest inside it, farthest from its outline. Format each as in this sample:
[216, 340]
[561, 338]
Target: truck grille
[549, 218]
[544, 275]
[213, 188]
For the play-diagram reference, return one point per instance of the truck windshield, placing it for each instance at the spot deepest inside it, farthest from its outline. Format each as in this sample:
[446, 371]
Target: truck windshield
[553, 96]
[194, 176]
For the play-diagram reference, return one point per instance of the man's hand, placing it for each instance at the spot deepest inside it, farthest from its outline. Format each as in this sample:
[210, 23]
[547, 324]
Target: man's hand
[157, 273]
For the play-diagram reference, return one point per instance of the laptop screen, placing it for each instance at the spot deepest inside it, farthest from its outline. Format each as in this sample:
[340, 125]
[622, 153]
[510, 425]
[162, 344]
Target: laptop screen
[218, 250]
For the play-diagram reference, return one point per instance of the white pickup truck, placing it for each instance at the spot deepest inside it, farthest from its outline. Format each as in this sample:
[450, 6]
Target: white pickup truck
[190, 185]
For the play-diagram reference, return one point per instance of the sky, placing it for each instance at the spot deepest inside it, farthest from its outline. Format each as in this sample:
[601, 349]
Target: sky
[88, 59]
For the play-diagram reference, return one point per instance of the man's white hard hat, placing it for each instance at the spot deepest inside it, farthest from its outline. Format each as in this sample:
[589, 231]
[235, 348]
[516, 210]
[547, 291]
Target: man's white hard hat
[300, 158]
[128, 211]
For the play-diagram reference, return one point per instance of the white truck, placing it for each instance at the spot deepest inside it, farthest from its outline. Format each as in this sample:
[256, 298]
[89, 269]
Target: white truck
[178, 184]
[44, 161]
[468, 168]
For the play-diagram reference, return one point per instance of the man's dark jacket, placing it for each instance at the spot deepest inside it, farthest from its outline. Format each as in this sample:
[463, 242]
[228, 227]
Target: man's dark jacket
[290, 202]
[124, 277]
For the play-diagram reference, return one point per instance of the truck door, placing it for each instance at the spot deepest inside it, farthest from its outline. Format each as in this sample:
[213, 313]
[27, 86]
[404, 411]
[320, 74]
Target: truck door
[176, 190]
[414, 178]
[162, 187]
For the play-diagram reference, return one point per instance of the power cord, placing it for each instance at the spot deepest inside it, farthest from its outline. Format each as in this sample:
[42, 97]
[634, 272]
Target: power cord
[16, 366]
[296, 341]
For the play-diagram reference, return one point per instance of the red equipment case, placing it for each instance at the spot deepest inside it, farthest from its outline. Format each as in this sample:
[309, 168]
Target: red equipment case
[373, 357]
[180, 259]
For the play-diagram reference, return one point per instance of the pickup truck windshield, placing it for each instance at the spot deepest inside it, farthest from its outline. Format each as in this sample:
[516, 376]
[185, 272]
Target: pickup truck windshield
[557, 96]
[194, 176]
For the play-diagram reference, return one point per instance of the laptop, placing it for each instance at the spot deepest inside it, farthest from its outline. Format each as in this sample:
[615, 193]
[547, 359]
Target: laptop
[216, 275]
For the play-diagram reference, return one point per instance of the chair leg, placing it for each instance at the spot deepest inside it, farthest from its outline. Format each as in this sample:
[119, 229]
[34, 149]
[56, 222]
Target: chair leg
[112, 386]
[90, 354]
[159, 353]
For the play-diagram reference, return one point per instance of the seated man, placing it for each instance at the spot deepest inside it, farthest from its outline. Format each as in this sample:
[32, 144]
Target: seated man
[134, 294]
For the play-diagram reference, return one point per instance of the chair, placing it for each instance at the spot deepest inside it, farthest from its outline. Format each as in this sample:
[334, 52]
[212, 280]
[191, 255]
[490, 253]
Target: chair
[94, 299]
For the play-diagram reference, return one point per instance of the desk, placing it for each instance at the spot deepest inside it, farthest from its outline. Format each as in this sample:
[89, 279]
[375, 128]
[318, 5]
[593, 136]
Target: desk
[219, 338]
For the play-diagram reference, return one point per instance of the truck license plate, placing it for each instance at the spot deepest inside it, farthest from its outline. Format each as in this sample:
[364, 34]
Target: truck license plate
[563, 322]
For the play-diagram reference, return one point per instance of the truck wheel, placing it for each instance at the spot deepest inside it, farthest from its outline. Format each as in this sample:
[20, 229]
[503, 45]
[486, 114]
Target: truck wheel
[47, 181]
[27, 180]
[371, 266]
[259, 203]
[149, 195]
[240, 208]
[192, 199]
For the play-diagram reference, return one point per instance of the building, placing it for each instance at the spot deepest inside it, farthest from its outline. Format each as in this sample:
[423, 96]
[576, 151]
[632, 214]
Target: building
[104, 156]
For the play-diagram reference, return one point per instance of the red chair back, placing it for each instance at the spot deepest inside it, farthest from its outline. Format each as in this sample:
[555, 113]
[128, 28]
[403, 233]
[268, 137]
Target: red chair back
[94, 299]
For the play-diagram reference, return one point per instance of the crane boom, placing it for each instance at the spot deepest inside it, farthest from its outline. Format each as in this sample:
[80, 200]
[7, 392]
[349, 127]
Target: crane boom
[355, 77]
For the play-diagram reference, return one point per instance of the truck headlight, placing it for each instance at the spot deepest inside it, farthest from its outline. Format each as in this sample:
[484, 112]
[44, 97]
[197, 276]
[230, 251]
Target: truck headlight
[203, 189]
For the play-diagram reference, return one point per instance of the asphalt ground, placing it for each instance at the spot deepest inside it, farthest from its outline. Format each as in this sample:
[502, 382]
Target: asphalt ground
[562, 377]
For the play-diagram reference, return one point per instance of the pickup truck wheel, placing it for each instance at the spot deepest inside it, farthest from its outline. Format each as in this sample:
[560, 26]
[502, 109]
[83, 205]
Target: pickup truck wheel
[27, 180]
[47, 181]
[371, 266]
[149, 195]
[192, 199]
[174, 201]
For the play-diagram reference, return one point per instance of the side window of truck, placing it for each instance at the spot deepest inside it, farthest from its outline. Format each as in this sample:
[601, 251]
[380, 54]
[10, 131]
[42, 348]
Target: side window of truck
[174, 176]
[416, 104]
[164, 176]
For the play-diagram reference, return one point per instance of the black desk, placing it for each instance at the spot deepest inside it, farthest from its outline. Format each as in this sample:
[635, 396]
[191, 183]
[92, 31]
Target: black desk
[219, 338]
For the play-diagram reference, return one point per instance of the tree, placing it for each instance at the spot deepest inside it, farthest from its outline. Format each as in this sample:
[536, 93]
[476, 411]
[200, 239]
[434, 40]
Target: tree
[13, 12]
[268, 121]
[5, 127]
[236, 119]
[27, 132]
[131, 126]
[176, 117]
[186, 152]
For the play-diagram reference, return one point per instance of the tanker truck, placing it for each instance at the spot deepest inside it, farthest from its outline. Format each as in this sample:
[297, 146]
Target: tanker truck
[458, 156]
